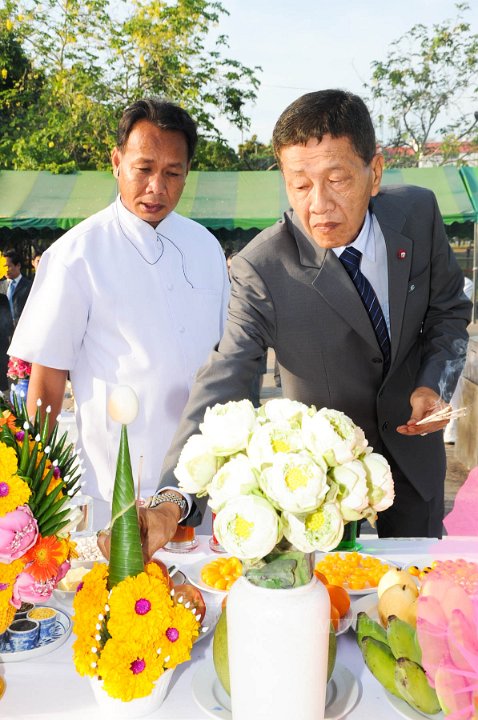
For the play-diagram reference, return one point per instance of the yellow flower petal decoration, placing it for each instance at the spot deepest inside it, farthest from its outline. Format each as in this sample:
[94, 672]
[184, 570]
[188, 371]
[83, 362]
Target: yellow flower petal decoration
[3, 262]
[8, 574]
[13, 493]
[8, 462]
[129, 669]
[139, 609]
[179, 636]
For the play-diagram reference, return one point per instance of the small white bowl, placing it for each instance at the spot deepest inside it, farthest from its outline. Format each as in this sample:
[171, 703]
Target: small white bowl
[66, 597]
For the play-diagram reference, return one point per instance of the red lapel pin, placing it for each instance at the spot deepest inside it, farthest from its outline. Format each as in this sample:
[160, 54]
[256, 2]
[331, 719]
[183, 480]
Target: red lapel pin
[401, 254]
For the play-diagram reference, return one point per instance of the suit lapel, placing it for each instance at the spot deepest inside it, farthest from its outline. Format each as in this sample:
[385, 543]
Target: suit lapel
[330, 279]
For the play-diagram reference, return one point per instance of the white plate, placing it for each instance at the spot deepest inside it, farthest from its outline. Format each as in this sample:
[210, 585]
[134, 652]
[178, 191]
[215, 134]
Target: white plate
[342, 693]
[406, 711]
[368, 604]
[210, 620]
[365, 591]
[61, 632]
[193, 573]
[345, 622]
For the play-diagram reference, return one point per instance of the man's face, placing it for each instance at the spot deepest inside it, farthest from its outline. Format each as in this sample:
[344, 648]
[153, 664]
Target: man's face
[152, 168]
[329, 187]
[13, 271]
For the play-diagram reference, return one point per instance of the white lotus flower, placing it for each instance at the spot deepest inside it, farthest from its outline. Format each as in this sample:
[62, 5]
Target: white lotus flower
[123, 404]
[334, 436]
[227, 427]
[294, 482]
[282, 410]
[248, 527]
[235, 477]
[321, 530]
[380, 481]
[196, 466]
[272, 438]
[352, 496]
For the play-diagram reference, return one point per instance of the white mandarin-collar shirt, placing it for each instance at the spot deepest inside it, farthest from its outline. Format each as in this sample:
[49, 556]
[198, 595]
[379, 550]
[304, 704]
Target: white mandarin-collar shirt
[371, 243]
[116, 301]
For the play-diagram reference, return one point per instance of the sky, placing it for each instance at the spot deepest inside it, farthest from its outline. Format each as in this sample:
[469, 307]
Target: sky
[306, 45]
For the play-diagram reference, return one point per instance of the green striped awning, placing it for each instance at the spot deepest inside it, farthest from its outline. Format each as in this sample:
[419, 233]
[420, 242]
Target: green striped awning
[470, 178]
[31, 199]
[446, 183]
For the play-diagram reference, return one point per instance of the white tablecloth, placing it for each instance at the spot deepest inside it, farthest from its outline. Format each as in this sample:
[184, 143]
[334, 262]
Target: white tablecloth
[49, 687]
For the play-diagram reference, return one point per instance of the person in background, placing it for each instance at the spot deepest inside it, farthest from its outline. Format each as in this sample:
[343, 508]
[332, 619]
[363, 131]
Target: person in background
[36, 259]
[19, 286]
[135, 295]
[309, 286]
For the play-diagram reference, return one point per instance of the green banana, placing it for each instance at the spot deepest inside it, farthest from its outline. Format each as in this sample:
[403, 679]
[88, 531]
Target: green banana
[412, 684]
[381, 663]
[402, 638]
[366, 626]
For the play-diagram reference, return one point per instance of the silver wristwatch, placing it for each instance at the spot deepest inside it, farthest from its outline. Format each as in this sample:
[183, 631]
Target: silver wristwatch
[162, 497]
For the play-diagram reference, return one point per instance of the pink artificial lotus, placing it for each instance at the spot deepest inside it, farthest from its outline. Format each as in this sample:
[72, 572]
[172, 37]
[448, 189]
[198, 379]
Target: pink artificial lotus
[447, 627]
[18, 533]
[27, 589]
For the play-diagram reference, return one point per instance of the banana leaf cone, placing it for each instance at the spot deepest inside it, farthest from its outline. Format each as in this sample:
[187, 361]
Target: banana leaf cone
[126, 557]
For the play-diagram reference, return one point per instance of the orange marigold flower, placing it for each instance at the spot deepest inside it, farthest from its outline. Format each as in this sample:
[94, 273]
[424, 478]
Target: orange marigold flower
[46, 557]
[6, 418]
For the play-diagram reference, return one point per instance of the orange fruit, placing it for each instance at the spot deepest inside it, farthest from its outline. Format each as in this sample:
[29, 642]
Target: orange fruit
[339, 598]
[334, 617]
[320, 576]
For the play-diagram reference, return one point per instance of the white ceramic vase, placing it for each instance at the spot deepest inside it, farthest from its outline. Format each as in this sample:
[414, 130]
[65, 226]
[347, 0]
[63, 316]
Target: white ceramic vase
[278, 649]
[137, 708]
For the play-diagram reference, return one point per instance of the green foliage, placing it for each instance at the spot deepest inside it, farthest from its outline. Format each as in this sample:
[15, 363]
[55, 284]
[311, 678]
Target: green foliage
[69, 67]
[254, 155]
[426, 73]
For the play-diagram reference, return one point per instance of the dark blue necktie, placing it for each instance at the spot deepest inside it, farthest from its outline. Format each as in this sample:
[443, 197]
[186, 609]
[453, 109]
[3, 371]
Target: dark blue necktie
[350, 259]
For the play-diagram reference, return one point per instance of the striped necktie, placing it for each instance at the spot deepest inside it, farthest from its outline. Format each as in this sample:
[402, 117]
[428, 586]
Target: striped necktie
[350, 259]
[10, 291]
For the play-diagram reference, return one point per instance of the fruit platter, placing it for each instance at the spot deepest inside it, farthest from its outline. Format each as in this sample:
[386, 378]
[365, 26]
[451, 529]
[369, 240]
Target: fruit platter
[362, 689]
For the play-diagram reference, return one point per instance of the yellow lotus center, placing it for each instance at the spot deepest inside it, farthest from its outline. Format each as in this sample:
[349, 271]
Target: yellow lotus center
[296, 478]
[242, 528]
[314, 521]
[279, 445]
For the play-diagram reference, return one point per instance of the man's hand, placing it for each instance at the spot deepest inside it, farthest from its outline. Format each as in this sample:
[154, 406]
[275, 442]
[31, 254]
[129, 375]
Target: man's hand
[156, 525]
[424, 402]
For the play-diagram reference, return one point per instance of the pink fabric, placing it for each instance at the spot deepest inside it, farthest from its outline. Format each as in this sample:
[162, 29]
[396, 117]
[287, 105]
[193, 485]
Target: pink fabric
[463, 519]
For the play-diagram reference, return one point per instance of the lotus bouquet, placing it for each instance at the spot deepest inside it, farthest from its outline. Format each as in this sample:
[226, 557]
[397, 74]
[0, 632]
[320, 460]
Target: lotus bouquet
[284, 470]
[131, 626]
[39, 473]
[18, 369]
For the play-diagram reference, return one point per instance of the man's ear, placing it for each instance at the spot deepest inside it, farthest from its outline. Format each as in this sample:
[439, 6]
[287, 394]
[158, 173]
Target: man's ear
[116, 161]
[377, 172]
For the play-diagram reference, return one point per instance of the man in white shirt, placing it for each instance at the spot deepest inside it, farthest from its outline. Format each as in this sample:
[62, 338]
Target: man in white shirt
[135, 295]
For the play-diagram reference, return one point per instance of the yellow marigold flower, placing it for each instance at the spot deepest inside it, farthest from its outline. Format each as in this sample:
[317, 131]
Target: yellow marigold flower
[8, 574]
[129, 669]
[139, 608]
[179, 637]
[90, 599]
[13, 493]
[83, 655]
[8, 462]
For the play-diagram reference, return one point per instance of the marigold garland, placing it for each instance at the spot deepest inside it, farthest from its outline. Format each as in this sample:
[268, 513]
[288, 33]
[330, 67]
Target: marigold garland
[8, 462]
[130, 635]
[14, 492]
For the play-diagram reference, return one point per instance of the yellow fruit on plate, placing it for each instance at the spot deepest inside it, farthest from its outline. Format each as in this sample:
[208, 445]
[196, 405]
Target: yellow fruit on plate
[395, 576]
[399, 600]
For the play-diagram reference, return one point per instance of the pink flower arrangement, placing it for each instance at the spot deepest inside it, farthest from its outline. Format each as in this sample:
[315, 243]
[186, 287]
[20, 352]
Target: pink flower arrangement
[447, 627]
[18, 369]
[18, 533]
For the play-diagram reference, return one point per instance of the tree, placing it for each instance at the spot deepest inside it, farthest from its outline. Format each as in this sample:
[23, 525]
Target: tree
[97, 56]
[422, 83]
[254, 155]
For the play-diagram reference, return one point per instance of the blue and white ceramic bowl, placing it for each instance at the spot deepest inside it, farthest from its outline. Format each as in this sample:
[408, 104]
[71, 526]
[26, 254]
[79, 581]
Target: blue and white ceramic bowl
[23, 634]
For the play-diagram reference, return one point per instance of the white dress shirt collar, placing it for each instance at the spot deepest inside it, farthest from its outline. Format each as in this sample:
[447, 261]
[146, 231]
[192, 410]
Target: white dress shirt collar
[365, 240]
[141, 234]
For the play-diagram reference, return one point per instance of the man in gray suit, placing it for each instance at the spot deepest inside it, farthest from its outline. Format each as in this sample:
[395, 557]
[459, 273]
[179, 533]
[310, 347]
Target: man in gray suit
[293, 292]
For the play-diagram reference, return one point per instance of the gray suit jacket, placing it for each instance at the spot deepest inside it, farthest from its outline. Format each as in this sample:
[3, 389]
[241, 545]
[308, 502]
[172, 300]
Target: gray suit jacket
[289, 294]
